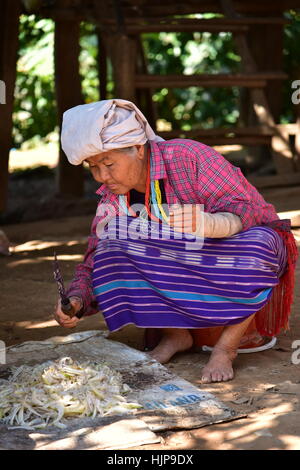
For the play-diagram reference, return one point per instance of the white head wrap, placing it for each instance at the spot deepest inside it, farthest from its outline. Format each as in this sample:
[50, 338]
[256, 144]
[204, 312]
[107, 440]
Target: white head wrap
[93, 128]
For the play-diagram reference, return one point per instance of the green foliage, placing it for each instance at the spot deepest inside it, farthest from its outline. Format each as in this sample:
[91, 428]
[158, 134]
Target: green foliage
[193, 53]
[35, 107]
[35, 114]
[88, 62]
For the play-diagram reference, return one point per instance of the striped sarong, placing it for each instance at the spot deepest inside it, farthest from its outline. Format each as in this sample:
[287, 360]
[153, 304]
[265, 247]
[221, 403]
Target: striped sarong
[159, 283]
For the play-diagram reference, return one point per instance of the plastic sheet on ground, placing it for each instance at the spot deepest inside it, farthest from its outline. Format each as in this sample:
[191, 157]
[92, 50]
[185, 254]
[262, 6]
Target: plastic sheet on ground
[168, 401]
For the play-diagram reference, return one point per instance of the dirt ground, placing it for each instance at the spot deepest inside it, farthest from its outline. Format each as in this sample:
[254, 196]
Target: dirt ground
[266, 388]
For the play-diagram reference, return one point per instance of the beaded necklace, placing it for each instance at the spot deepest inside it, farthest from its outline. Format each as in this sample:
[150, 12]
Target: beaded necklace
[153, 198]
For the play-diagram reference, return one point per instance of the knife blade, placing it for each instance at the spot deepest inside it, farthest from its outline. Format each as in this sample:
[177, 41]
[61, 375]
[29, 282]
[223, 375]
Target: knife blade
[66, 305]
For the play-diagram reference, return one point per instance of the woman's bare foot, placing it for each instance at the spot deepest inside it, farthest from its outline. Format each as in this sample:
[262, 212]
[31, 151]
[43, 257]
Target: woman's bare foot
[174, 340]
[219, 367]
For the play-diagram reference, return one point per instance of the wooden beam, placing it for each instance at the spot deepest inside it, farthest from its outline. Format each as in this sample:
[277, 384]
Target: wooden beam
[222, 132]
[222, 140]
[168, 7]
[203, 23]
[184, 28]
[250, 136]
[248, 80]
[145, 25]
[64, 14]
[68, 92]
[291, 129]
[238, 140]
[84, 11]
[287, 179]
[9, 31]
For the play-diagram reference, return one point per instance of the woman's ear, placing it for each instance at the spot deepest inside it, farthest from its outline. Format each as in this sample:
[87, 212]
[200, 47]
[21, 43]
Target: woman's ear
[140, 151]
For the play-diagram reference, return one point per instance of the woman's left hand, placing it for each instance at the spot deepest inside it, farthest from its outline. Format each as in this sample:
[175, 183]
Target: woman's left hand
[185, 218]
[63, 319]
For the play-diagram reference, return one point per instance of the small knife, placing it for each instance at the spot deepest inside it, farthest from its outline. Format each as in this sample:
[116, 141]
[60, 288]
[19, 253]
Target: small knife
[66, 305]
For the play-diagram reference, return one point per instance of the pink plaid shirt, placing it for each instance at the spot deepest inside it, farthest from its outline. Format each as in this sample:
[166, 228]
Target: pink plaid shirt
[193, 173]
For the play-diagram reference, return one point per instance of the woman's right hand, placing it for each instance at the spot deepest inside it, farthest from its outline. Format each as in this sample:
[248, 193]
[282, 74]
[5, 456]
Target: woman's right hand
[63, 319]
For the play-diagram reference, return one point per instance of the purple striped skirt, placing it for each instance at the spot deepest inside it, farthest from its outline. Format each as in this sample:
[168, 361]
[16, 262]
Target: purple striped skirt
[160, 282]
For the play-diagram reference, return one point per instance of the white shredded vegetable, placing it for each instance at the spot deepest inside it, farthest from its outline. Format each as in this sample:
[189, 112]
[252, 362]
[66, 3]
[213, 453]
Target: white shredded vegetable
[48, 394]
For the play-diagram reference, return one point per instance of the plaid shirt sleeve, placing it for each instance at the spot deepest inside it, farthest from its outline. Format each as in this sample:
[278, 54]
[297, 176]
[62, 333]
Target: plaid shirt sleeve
[81, 285]
[225, 189]
[197, 173]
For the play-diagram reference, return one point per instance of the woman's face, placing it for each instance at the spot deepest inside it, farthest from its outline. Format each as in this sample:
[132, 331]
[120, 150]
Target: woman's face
[120, 171]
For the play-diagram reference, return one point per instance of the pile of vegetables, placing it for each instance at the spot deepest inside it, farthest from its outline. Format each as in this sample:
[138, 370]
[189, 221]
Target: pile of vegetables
[48, 394]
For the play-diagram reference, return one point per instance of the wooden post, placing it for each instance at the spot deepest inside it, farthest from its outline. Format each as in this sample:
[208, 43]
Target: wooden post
[102, 65]
[267, 58]
[123, 50]
[270, 58]
[144, 96]
[9, 39]
[68, 92]
[120, 47]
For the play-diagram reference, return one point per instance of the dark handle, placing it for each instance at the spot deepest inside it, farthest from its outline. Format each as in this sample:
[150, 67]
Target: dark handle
[68, 309]
[80, 313]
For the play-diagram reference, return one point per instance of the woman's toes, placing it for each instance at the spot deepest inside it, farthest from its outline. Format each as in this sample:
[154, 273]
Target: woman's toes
[218, 369]
[206, 379]
[217, 377]
[230, 375]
